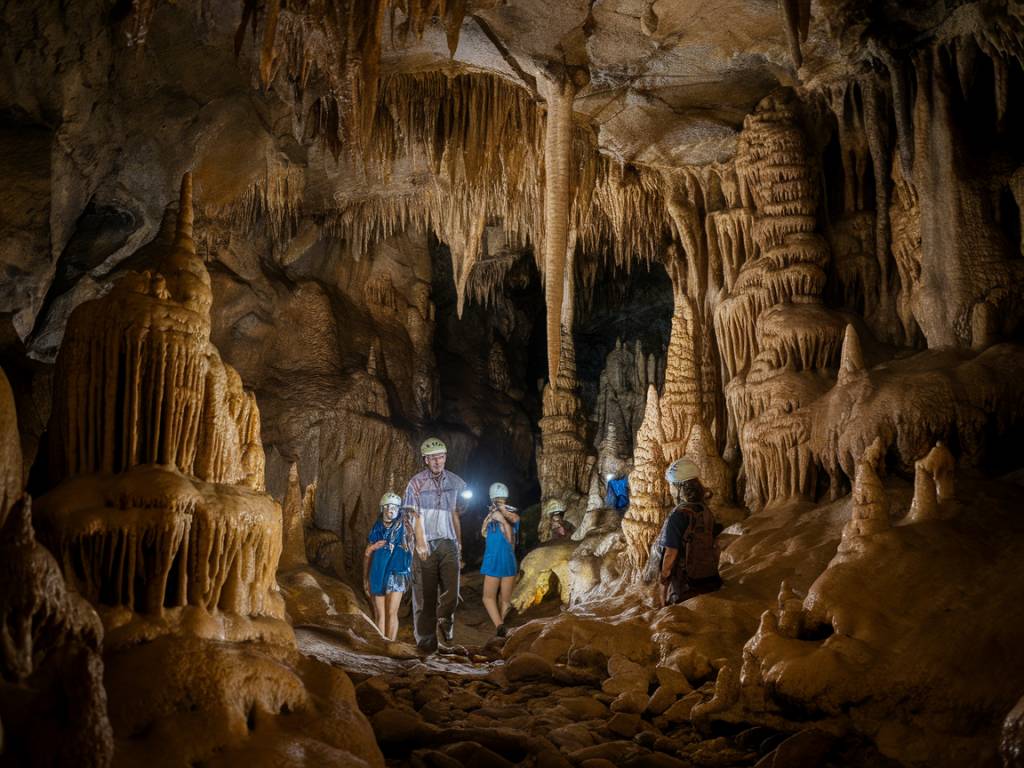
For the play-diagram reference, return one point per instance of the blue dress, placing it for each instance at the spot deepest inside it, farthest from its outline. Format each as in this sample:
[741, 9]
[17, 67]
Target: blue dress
[391, 565]
[499, 555]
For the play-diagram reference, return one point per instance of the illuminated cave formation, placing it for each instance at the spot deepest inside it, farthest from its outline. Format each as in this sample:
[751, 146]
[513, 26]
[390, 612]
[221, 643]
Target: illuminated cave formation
[255, 253]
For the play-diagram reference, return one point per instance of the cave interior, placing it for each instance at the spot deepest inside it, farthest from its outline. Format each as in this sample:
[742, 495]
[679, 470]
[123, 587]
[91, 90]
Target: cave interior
[256, 252]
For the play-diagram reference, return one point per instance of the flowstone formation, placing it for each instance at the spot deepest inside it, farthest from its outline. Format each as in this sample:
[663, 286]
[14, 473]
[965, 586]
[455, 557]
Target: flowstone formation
[149, 428]
[776, 337]
[53, 705]
[571, 239]
[159, 524]
[563, 461]
[837, 655]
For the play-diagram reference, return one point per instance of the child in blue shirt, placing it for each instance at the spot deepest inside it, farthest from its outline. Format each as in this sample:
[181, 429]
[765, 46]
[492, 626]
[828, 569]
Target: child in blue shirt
[499, 569]
[387, 565]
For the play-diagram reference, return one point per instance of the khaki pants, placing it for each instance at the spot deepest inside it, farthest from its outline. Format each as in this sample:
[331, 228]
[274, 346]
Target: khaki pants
[439, 572]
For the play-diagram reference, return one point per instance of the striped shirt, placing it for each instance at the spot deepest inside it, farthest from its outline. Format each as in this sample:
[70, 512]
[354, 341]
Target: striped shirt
[436, 499]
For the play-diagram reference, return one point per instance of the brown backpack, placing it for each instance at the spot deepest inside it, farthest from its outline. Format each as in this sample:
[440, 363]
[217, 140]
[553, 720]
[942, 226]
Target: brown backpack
[701, 559]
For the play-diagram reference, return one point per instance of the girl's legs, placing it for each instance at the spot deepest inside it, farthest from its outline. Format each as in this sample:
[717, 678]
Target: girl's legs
[394, 599]
[378, 610]
[490, 599]
[508, 583]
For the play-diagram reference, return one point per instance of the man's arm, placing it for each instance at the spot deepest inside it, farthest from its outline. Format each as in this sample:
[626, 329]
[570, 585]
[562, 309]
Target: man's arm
[420, 538]
[456, 514]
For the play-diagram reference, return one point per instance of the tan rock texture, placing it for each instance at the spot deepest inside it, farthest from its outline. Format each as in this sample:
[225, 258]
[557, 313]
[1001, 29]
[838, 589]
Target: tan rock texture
[573, 240]
[53, 705]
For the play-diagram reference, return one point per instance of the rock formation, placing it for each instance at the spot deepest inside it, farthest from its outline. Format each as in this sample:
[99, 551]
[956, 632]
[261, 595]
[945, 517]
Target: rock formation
[54, 702]
[572, 240]
[160, 552]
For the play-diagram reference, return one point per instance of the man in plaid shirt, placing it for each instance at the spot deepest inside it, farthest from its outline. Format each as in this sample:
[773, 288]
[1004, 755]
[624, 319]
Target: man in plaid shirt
[436, 495]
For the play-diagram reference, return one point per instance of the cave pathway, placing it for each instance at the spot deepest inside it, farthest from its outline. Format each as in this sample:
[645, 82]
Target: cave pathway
[468, 707]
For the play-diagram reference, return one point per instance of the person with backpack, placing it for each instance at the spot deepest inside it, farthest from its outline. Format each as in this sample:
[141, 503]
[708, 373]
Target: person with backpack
[689, 557]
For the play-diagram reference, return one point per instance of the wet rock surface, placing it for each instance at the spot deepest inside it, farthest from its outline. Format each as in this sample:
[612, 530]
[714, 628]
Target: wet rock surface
[467, 706]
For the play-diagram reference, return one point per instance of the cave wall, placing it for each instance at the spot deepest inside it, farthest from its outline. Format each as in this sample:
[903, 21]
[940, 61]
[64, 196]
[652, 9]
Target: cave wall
[834, 201]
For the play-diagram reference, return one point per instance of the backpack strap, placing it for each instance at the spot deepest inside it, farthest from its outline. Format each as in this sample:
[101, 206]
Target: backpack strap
[690, 509]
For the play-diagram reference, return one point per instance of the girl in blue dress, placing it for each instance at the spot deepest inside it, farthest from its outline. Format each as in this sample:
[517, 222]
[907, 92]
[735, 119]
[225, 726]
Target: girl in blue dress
[499, 569]
[387, 565]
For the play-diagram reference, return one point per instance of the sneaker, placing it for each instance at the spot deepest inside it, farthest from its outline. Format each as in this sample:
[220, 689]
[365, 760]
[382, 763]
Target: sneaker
[501, 631]
[447, 630]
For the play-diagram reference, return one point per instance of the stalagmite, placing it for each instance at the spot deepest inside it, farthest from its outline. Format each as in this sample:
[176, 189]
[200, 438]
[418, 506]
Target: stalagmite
[157, 441]
[870, 502]
[564, 460]
[138, 381]
[649, 503]
[557, 188]
[726, 693]
[772, 330]
[714, 472]
[293, 546]
[681, 401]
[933, 485]
[851, 364]
[790, 611]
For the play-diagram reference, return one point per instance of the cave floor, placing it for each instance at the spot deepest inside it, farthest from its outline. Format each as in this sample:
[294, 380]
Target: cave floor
[465, 707]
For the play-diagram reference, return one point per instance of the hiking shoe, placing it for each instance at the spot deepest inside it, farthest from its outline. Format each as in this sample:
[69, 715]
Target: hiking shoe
[501, 631]
[447, 630]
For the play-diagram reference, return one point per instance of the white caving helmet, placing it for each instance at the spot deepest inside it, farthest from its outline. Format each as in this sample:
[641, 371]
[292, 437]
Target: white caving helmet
[390, 499]
[681, 470]
[551, 506]
[432, 446]
[498, 491]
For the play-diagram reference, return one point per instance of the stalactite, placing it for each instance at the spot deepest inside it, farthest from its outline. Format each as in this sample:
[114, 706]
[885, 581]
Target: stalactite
[488, 277]
[905, 220]
[730, 232]
[796, 16]
[274, 200]
[152, 539]
[902, 100]
[557, 183]
[465, 250]
[340, 42]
